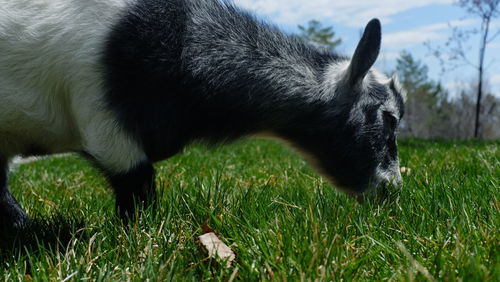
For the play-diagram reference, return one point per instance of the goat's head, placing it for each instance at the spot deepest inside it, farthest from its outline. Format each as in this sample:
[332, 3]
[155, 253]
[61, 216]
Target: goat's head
[350, 136]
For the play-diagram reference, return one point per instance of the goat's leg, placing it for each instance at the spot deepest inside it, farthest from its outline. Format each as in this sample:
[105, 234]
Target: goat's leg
[121, 158]
[134, 189]
[11, 213]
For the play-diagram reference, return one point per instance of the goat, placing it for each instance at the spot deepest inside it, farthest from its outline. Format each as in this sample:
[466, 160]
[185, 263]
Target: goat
[126, 83]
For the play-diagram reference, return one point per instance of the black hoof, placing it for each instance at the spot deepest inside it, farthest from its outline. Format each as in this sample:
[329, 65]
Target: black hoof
[16, 220]
[11, 214]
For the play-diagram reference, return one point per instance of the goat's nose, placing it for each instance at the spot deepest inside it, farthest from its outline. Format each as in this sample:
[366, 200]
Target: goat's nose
[395, 183]
[398, 181]
[398, 186]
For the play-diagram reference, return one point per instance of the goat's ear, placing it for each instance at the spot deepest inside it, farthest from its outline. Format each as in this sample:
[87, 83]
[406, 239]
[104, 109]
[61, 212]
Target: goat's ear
[366, 53]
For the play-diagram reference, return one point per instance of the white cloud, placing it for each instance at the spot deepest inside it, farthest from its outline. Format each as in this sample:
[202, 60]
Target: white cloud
[494, 45]
[389, 55]
[493, 84]
[456, 86]
[404, 39]
[419, 35]
[468, 81]
[354, 13]
[495, 24]
[495, 79]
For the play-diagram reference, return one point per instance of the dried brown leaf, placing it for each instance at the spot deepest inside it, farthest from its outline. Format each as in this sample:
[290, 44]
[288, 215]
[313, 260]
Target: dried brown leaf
[217, 248]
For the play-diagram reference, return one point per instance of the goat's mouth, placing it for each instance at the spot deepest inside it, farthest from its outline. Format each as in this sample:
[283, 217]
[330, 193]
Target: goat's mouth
[383, 191]
[377, 189]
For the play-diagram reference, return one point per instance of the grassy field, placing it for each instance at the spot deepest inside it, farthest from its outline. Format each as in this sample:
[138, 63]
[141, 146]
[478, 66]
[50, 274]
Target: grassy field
[282, 220]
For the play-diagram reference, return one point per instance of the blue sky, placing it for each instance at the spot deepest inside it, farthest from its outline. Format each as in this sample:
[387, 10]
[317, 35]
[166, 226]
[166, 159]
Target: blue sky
[406, 26]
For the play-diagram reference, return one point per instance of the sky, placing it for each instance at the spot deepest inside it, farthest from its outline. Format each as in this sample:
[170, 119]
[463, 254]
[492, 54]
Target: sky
[406, 25]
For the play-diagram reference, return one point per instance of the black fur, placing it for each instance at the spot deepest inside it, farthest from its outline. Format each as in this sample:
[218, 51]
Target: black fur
[176, 71]
[132, 188]
[366, 52]
[172, 80]
[11, 214]
[182, 70]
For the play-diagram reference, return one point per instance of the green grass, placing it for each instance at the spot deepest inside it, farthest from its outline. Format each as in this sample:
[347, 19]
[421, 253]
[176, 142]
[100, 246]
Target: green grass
[282, 220]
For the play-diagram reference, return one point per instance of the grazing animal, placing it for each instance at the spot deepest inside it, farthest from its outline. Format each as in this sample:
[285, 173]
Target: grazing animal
[127, 83]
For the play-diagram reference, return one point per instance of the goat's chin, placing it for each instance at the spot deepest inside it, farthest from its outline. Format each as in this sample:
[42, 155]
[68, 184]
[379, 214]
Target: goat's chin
[383, 192]
[358, 193]
[368, 192]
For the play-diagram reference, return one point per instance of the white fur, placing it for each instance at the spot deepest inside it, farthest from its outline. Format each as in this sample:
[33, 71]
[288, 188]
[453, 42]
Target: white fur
[336, 74]
[391, 176]
[334, 77]
[50, 83]
[333, 81]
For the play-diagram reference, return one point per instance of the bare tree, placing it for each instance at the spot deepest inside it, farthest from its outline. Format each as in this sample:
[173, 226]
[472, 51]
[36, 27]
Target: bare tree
[455, 52]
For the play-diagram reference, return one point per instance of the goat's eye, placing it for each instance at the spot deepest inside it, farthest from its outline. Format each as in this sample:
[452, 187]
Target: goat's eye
[390, 120]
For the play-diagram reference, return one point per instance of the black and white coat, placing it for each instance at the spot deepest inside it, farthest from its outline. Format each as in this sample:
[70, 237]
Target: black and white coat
[128, 83]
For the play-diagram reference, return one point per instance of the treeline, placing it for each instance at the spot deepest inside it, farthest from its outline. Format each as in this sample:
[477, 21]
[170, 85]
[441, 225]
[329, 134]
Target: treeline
[433, 113]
